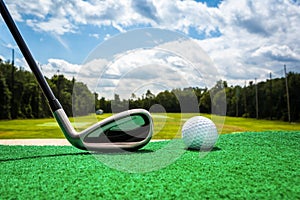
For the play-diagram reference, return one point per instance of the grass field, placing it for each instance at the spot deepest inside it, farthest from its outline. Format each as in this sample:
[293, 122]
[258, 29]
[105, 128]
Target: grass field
[166, 126]
[251, 165]
[259, 161]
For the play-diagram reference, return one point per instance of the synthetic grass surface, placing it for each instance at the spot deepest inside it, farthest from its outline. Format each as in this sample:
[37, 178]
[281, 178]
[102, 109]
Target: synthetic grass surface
[262, 165]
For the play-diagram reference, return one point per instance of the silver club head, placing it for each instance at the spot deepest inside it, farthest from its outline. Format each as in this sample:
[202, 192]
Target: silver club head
[129, 130]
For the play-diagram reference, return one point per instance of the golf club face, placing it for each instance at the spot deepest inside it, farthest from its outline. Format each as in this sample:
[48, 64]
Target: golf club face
[129, 130]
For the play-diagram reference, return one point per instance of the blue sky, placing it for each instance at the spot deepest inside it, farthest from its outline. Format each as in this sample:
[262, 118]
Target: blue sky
[245, 39]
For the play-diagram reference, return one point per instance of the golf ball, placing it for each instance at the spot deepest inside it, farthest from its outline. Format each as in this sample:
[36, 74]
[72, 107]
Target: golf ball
[199, 133]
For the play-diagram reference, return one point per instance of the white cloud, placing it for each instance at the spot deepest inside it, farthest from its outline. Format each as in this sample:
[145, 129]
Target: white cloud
[58, 66]
[170, 65]
[66, 16]
[63, 17]
[257, 37]
[254, 37]
[53, 25]
[277, 52]
[95, 35]
[107, 36]
[34, 8]
[90, 73]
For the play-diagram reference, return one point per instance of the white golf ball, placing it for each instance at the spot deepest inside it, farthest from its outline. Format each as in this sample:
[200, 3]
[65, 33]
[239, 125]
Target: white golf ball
[199, 133]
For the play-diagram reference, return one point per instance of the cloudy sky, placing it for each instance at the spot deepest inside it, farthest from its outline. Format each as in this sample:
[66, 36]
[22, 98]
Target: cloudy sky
[245, 39]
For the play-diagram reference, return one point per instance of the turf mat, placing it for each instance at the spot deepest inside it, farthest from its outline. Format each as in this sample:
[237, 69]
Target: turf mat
[263, 165]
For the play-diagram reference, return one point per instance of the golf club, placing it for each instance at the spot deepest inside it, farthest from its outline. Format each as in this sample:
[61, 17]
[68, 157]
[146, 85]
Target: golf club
[129, 130]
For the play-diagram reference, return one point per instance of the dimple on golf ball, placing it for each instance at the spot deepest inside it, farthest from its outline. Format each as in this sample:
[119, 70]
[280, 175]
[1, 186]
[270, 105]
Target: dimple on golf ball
[199, 133]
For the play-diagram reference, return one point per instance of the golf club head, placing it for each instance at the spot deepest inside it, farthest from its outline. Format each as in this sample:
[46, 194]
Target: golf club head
[129, 130]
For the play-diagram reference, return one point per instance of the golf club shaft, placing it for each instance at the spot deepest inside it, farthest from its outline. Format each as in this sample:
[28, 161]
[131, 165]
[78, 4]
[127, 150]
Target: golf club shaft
[53, 102]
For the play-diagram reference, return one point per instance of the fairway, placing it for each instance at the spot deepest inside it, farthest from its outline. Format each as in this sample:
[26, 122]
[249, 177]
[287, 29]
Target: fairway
[166, 126]
[251, 165]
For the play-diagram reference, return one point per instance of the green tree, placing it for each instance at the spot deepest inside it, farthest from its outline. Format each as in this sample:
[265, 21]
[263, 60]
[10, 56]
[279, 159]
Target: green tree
[187, 100]
[5, 99]
[169, 101]
[104, 105]
[205, 102]
[83, 100]
[117, 105]
[294, 88]
[218, 98]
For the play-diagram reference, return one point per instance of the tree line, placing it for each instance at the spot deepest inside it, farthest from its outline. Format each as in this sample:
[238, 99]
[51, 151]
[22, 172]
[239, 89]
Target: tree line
[21, 97]
[264, 100]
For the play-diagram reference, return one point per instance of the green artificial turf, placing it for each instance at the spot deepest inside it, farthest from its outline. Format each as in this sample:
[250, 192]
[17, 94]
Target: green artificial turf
[250, 165]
